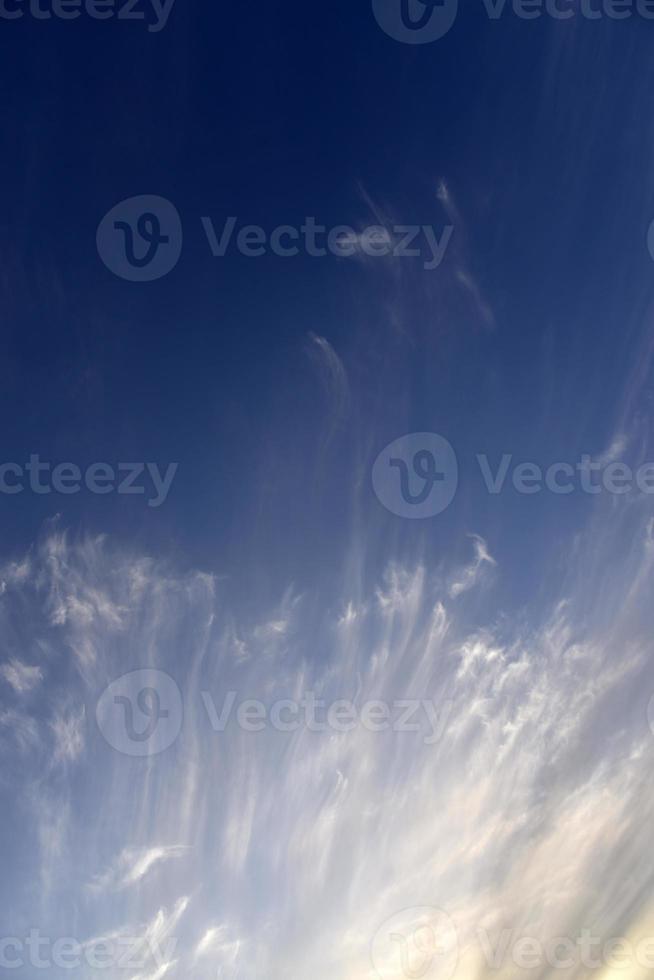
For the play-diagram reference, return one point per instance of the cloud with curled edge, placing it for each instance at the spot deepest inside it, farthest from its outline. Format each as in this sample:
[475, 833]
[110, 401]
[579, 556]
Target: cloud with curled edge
[133, 864]
[532, 811]
[218, 944]
[469, 576]
[334, 379]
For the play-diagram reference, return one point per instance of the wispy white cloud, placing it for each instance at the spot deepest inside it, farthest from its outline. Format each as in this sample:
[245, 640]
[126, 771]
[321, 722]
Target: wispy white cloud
[133, 864]
[151, 946]
[218, 943]
[464, 275]
[20, 728]
[333, 376]
[20, 676]
[534, 795]
[470, 575]
[68, 727]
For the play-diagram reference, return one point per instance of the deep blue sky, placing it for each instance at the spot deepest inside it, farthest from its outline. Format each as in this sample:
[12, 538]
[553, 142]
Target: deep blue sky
[271, 112]
[272, 568]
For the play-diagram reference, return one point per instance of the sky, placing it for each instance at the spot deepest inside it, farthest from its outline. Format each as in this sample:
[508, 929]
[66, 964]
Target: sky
[326, 490]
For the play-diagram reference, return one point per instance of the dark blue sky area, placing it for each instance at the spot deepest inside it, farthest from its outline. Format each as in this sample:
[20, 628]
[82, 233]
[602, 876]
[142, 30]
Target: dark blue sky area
[272, 112]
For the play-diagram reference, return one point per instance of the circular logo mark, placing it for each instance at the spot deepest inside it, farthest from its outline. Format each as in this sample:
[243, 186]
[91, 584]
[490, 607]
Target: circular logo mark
[415, 21]
[650, 714]
[416, 476]
[140, 239]
[141, 713]
[650, 239]
[418, 943]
